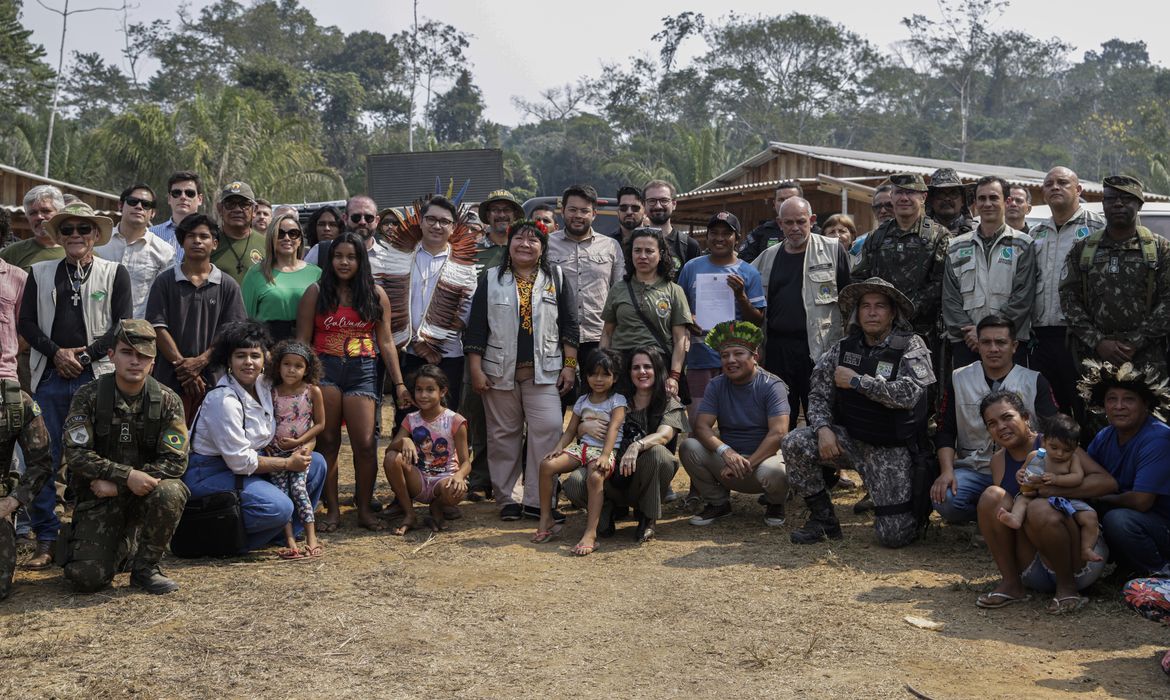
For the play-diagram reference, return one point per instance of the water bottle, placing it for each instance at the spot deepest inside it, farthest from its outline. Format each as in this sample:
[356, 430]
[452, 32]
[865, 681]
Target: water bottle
[1035, 468]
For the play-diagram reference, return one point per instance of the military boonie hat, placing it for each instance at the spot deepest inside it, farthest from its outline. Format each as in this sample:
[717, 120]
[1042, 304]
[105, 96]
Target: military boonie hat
[908, 181]
[237, 189]
[1127, 184]
[726, 218]
[500, 196]
[943, 178]
[138, 334]
[849, 296]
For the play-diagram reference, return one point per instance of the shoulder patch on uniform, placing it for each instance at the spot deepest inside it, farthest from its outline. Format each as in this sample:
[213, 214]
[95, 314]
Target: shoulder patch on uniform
[885, 369]
[174, 438]
[919, 369]
[78, 435]
[75, 419]
[36, 408]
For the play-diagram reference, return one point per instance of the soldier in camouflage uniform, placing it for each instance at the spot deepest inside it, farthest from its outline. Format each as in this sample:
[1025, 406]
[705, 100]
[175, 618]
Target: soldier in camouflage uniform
[126, 442]
[1116, 288]
[909, 252]
[948, 201]
[868, 404]
[20, 422]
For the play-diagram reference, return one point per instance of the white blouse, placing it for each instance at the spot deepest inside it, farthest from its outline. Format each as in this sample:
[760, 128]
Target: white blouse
[233, 425]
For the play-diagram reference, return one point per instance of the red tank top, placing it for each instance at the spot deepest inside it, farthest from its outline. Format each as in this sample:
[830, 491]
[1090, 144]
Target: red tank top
[343, 333]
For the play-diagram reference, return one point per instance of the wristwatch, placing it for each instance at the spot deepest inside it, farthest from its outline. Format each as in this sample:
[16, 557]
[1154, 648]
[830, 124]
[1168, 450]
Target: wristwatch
[83, 358]
[855, 381]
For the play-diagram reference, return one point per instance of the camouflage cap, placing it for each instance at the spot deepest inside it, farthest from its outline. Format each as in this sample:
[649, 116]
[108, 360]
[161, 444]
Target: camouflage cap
[726, 218]
[138, 334]
[908, 181]
[237, 189]
[1127, 184]
[944, 177]
[500, 196]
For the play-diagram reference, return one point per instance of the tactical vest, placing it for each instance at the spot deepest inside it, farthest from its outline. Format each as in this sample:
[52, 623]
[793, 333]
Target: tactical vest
[866, 419]
[11, 425]
[127, 441]
[1149, 253]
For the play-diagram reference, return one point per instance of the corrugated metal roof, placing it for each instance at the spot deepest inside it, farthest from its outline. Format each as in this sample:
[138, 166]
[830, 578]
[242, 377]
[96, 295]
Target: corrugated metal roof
[883, 163]
[57, 183]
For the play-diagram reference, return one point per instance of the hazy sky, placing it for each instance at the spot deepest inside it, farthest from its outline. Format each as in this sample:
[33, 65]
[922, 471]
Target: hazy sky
[521, 47]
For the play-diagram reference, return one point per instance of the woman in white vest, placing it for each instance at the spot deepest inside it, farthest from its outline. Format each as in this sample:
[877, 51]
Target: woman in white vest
[69, 315]
[521, 347]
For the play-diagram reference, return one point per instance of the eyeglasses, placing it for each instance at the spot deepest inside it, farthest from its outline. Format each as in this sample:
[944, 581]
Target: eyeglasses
[293, 233]
[135, 201]
[359, 218]
[629, 207]
[435, 221]
[229, 204]
[663, 201]
[189, 194]
[79, 229]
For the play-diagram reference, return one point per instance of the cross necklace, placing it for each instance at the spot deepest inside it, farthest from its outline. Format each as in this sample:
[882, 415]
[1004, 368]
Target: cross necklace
[76, 282]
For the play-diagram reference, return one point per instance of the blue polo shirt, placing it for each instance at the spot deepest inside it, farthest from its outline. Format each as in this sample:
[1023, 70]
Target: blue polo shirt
[1142, 464]
[700, 356]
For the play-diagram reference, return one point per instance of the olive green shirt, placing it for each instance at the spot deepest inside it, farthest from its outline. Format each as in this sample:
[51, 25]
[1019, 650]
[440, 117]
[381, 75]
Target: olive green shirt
[663, 303]
[24, 254]
[236, 257]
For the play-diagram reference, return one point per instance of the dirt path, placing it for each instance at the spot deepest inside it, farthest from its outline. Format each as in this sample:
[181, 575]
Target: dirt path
[731, 610]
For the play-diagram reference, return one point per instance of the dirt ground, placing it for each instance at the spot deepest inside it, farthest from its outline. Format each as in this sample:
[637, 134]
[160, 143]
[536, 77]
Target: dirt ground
[730, 610]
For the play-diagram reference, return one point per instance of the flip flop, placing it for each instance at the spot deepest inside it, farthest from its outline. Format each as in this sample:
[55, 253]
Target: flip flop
[290, 554]
[995, 599]
[328, 525]
[585, 550]
[313, 552]
[1067, 604]
[543, 536]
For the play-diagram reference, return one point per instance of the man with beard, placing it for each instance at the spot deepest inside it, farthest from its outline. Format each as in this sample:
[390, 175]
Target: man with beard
[498, 212]
[1116, 290]
[1052, 239]
[262, 216]
[658, 197]
[547, 215]
[946, 202]
[590, 263]
[241, 247]
[770, 233]
[631, 213]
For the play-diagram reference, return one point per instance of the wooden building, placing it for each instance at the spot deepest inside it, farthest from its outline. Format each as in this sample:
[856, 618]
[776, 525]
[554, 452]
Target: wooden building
[15, 183]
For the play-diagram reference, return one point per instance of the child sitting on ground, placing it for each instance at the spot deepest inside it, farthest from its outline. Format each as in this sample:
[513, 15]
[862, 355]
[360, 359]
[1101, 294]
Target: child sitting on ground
[601, 370]
[418, 464]
[1062, 467]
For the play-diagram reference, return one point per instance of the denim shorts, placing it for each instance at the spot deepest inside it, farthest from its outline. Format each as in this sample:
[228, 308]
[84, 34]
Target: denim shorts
[354, 376]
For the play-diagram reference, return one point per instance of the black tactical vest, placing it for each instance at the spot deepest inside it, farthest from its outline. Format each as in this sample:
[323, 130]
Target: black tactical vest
[866, 419]
[127, 440]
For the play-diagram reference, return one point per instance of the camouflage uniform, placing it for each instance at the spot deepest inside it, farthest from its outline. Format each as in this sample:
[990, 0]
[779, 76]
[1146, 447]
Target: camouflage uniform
[886, 470]
[913, 261]
[1115, 308]
[101, 524]
[27, 428]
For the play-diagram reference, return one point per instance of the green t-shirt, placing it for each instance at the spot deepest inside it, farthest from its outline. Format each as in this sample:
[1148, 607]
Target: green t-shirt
[663, 303]
[236, 257]
[24, 254]
[276, 300]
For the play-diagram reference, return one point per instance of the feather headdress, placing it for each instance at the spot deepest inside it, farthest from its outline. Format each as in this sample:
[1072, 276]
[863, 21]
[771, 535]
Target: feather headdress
[1102, 376]
[734, 333]
[442, 318]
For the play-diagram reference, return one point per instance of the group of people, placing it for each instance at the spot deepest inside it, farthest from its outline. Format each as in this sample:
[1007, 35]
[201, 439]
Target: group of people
[227, 352]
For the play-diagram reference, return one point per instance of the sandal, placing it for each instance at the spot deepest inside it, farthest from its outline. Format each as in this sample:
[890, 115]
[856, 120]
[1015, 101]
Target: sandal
[290, 554]
[645, 531]
[313, 552]
[584, 550]
[543, 536]
[1066, 604]
[995, 599]
[328, 525]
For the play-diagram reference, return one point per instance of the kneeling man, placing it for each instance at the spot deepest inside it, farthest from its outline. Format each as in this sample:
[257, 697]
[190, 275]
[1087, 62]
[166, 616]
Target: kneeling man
[866, 407]
[126, 443]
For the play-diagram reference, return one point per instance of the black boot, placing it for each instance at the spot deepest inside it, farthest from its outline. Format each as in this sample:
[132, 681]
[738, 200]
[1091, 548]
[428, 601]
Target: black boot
[822, 521]
[149, 578]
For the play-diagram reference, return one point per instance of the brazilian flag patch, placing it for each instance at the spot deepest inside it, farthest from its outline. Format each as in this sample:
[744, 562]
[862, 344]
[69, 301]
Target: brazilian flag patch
[175, 439]
[36, 409]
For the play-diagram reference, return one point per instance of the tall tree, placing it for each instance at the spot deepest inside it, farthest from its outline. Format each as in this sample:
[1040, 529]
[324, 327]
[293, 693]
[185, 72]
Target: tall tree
[455, 115]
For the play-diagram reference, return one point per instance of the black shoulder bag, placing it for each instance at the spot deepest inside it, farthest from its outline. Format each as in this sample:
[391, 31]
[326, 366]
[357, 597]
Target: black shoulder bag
[212, 525]
[684, 392]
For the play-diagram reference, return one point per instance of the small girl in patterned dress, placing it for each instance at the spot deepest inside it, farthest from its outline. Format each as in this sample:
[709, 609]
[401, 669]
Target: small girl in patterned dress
[300, 417]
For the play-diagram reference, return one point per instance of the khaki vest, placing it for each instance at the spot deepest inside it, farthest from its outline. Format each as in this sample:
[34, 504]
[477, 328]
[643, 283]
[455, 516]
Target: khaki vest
[973, 445]
[985, 282]
[96, 311]
[819, 290]
[503, 315]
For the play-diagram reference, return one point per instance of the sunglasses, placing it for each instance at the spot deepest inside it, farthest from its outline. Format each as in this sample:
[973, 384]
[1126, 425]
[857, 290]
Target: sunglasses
[359, 218]
[135, 201]
[629, 207]
[80, 229]
[229, 204]
[293, 233]
[189, 194]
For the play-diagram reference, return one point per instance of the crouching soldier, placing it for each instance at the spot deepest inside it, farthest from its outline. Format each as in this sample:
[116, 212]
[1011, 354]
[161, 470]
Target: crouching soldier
[866, 407]
[126, 443]
[20, 422]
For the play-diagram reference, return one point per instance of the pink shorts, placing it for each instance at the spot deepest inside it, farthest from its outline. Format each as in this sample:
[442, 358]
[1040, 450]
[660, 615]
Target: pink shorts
[429, 482]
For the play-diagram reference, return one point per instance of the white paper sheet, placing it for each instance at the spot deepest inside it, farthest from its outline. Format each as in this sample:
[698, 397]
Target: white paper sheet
[714, 300]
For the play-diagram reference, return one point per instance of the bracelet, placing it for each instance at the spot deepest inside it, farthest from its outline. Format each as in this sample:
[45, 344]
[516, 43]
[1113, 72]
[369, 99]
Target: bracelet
[675, 375]
[722, 448]
[571, 362]
[398, 384]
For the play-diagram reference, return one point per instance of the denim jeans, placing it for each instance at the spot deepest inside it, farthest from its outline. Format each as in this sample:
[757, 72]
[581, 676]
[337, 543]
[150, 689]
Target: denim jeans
[1139, 541]
[960, 506]
[54, 394]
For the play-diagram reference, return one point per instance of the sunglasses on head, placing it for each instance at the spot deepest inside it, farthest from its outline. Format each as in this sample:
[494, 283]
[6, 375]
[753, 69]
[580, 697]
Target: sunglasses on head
[190, 194]
[293, 233]
[135, 201]
[70, 229]
[359, 218]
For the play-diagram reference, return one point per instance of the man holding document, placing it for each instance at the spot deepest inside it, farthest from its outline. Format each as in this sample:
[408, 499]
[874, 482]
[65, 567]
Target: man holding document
[719, 287]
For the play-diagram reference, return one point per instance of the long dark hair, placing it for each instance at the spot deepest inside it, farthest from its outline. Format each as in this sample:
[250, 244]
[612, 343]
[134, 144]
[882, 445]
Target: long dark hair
[659, 397]
[363, 294]
[516, 228]
[665, 262]
[311, 224]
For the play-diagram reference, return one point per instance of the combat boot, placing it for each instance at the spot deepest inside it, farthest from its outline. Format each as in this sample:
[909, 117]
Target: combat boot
[150, 579]
[822, 521]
